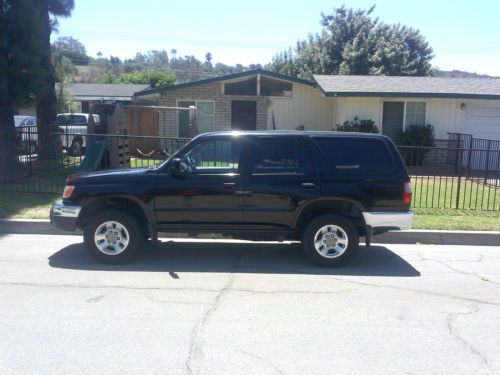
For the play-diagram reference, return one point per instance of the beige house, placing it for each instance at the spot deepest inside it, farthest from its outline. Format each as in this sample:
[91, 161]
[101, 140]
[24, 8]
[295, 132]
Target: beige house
[262, 100]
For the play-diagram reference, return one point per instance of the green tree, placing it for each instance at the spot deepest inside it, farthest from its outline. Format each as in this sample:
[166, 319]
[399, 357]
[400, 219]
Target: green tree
[72, 49]
[107, 78]
[149, 77]
[353, 42]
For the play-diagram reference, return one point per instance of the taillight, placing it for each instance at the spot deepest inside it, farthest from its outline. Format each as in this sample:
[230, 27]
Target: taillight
[68, 190]
[407, 192]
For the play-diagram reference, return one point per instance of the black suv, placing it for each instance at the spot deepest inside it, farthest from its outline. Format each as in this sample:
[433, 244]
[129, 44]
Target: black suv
[323, 188]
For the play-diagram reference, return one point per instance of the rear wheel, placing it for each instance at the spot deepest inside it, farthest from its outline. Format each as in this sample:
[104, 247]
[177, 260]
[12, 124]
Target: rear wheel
[330, 240]
[113, 236]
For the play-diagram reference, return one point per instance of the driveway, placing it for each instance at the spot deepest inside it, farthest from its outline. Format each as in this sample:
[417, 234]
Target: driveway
[236, 307]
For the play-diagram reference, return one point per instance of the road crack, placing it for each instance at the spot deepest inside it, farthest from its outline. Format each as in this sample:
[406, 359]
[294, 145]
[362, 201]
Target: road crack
[453, 331]
[275, 368]
[196, 343]
[462, 272]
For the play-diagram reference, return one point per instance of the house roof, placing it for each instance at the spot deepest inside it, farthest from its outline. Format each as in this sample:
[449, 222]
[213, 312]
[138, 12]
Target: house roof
[226, 78]
[429, 87]
[96, 91]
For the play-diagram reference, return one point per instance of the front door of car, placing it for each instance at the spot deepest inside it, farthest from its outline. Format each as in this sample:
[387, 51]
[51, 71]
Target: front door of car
[205, 191]
[281, 176]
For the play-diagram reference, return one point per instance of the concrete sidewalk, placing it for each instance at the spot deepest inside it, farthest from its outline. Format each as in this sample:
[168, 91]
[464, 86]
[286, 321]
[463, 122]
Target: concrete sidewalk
[428, 237]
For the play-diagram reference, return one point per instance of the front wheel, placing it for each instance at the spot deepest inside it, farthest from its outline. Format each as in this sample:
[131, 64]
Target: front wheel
[330, 240]
[113, 236]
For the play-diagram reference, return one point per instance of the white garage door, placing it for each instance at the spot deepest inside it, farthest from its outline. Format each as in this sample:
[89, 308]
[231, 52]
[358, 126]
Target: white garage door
[483, 122]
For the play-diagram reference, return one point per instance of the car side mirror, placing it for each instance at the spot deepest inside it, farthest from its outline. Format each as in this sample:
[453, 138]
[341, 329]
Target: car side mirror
[175, 167]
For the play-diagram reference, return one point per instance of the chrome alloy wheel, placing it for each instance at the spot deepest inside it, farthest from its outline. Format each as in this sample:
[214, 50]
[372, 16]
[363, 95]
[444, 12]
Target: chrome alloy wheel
[331, 241]
[111, 238]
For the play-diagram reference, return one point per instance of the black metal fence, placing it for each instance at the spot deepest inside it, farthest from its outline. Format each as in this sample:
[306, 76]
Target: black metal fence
[444, 177]
[40, 163]
[459, 173]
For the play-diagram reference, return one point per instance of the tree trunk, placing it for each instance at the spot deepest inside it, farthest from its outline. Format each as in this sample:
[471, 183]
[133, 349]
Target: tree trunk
[8, 150]
[46, 99]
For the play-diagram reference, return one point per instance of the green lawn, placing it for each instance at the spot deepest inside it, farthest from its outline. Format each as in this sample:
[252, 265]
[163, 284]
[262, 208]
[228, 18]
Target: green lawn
[450, 219]
[143, 163]
[26, 205]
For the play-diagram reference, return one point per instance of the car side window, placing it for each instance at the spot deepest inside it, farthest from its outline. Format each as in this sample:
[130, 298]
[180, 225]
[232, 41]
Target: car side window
[279, 156]
[213, 156]
[357, 155]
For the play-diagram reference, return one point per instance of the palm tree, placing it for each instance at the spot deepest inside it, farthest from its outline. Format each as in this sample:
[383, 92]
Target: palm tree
[173, 51]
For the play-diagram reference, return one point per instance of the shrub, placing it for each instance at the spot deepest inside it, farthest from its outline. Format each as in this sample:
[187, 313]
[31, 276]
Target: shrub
[419, 136]
[357, 125]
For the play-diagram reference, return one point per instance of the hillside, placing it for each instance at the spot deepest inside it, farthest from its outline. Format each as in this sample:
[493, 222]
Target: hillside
[461, 74]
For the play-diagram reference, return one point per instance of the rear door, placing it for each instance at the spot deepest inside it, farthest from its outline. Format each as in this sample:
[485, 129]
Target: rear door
[362, 169]
[280, 176]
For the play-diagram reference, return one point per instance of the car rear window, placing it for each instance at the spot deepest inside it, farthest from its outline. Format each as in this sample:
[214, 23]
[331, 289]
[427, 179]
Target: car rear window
[357, 155]
[71, 120]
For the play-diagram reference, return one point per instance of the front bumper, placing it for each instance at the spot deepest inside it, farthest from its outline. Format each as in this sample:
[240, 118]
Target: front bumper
[64, 216]
[389, 220]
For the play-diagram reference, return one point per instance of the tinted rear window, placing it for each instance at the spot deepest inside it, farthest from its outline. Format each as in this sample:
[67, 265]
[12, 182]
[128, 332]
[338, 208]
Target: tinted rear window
[71, 120]
[273, 155]
[357, 155]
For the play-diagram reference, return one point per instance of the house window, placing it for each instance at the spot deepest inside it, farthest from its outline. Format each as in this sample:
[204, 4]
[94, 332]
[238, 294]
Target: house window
[247, 87]
[273, 87]
[415, 113]
[205, 117]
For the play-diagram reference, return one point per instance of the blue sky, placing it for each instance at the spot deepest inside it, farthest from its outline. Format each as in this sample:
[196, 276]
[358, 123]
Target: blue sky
[464, 35]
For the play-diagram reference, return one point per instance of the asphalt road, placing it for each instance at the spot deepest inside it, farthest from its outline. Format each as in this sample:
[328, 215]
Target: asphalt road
[234, 307]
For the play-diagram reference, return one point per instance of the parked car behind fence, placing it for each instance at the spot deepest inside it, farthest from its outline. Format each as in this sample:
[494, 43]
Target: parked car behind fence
[74, 126]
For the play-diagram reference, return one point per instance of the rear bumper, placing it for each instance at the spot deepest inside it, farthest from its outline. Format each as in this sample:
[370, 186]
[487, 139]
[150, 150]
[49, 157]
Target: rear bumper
[64, 216]
[389, 220]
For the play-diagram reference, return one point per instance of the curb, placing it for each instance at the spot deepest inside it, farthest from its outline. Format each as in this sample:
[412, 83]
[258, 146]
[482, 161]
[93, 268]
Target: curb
[415, 236]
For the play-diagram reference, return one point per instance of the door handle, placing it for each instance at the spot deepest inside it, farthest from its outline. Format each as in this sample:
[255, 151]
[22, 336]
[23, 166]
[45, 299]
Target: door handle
[308, 185]
[229, 185]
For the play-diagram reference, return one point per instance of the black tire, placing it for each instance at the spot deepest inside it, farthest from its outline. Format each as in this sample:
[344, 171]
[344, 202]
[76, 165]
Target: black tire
[76, 148]
[342, 231]
[107, 255]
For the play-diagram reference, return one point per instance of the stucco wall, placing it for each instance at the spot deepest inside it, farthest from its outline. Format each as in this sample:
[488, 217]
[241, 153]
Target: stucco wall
[306, 107]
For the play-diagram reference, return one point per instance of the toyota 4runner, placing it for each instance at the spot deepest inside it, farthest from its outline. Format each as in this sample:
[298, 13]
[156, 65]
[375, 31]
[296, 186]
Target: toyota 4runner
[325, 189]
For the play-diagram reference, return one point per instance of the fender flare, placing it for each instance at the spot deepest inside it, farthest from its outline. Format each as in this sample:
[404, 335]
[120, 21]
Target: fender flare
[147, 208]
[355, 203]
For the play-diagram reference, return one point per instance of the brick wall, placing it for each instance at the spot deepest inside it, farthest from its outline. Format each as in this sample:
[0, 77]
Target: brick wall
[222, 121]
